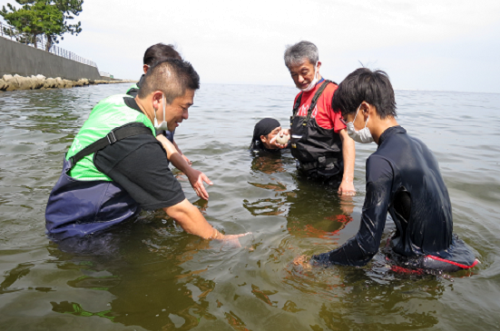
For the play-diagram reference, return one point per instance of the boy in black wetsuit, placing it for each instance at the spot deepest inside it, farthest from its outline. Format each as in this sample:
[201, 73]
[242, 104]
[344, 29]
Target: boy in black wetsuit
[402, 178]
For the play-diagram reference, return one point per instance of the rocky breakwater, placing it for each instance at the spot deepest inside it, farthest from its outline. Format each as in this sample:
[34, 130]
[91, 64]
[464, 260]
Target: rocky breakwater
[16, 82]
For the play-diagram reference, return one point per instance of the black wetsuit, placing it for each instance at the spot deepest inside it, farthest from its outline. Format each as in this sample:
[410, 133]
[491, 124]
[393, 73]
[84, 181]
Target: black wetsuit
[403, 178]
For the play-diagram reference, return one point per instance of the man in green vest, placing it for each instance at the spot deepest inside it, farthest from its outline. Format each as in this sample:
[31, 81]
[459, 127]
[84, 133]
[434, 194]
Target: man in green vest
[153, 55]
[116, 166]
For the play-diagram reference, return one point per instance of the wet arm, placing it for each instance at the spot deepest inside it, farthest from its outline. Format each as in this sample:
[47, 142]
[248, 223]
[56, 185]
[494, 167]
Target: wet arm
[196, 178]
[173, 154]
[182, 154]
[177, 147]
[360, 249]
[349, 154]
[193, 222]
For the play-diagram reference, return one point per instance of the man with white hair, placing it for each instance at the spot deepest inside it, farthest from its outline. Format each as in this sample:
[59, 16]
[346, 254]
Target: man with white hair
[319, 140]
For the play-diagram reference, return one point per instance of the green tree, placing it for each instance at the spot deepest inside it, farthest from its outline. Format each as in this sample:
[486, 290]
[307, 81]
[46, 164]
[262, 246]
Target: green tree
[51, 18]
[70, 9]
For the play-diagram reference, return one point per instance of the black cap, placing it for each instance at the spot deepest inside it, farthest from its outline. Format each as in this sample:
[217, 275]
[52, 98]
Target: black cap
[263, 128]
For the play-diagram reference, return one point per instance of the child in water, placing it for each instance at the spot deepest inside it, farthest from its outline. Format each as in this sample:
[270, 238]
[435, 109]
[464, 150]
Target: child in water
[266, 133]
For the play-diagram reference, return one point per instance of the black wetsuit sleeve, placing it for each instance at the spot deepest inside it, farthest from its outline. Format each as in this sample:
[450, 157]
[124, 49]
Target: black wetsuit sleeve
[360, 249]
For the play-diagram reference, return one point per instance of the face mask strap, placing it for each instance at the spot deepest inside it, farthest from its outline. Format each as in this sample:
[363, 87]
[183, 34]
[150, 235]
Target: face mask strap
[164, 101]
[156, 124]
[156, 121]
[357, 111]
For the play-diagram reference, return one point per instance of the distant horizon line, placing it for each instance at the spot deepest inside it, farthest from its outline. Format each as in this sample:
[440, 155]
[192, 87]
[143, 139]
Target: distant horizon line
[398, 89]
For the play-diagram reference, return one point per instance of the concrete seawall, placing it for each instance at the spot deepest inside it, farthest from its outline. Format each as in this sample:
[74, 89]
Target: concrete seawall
[26, 61]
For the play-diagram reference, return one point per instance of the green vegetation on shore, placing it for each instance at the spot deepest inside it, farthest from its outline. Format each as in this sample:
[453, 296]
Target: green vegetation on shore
[49, 18]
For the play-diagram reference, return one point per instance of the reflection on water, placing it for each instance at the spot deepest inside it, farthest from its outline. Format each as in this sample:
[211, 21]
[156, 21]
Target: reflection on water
[145, 279]
[150, 275]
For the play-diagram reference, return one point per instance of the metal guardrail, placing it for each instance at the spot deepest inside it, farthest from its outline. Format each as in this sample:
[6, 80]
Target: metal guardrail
[8, 31]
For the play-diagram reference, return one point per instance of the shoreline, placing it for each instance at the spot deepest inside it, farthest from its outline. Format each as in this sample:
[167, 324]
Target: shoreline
[40, 82]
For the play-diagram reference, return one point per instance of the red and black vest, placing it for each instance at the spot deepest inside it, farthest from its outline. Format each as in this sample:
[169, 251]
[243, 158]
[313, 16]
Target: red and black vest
[313, 146]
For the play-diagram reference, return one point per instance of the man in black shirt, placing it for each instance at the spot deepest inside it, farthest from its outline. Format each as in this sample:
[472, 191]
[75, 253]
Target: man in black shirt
[154, 54]
[116, 165]
[402, 178]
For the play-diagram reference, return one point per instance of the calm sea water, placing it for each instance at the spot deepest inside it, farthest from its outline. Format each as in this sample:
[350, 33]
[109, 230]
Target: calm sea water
[160, 278]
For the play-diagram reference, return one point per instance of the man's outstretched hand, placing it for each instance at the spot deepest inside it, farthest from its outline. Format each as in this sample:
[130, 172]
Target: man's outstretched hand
[302, 261]
[231, 239]
[196, 178]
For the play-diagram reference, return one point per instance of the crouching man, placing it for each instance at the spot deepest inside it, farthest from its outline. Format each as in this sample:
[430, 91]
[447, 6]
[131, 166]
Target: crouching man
[116, 165]
[402, 178]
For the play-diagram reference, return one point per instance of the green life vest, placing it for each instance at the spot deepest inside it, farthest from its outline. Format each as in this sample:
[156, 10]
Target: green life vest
[107, 115]
[135, 87]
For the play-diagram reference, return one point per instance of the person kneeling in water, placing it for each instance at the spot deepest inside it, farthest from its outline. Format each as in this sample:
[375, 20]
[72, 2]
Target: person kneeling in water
[402, 178]
[154, 54]
[116, 165]
[265, 133]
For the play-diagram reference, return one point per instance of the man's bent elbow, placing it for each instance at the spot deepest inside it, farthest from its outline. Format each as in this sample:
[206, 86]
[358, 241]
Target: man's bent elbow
[180, 210]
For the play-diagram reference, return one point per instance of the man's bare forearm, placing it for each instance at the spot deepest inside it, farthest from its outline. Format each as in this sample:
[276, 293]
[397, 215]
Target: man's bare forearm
[177, 147]
[173, 154]
[349, 155]
[191, 220]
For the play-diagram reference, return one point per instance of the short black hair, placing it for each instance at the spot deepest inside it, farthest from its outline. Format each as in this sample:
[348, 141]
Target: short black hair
[159, 52]
[172, 77]
[361, 85]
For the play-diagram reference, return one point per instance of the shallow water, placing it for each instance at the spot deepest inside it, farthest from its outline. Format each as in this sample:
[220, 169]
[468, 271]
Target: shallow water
[156, 277]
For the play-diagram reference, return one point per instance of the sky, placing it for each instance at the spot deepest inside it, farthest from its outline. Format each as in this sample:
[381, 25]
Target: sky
[423, 45]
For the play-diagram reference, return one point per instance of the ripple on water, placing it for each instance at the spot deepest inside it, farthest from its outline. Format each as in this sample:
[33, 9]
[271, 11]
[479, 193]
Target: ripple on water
[150, 274]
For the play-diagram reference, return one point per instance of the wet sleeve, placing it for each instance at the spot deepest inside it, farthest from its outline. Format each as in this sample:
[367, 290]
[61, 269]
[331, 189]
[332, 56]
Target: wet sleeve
[360, 249]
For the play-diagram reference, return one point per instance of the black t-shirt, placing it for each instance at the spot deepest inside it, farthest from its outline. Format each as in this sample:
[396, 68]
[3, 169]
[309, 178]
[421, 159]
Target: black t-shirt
[139, 164]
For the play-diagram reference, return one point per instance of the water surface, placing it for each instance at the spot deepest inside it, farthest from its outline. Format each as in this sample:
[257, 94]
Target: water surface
[156, 277]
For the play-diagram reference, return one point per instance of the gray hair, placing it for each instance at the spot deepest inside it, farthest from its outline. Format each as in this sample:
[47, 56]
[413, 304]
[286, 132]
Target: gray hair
[295, 54]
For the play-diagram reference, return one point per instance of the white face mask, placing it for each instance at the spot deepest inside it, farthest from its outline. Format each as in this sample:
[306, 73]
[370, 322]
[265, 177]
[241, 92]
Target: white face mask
[313, 82]
[163, 125]
[364, 135]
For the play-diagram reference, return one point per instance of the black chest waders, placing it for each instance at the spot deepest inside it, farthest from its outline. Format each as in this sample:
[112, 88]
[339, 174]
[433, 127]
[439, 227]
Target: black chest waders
[77, 208]
[316, 149]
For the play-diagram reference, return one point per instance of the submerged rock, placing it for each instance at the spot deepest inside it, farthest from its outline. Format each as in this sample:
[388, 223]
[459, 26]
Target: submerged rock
[50, 83]
[3, 85]
[17, 82]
